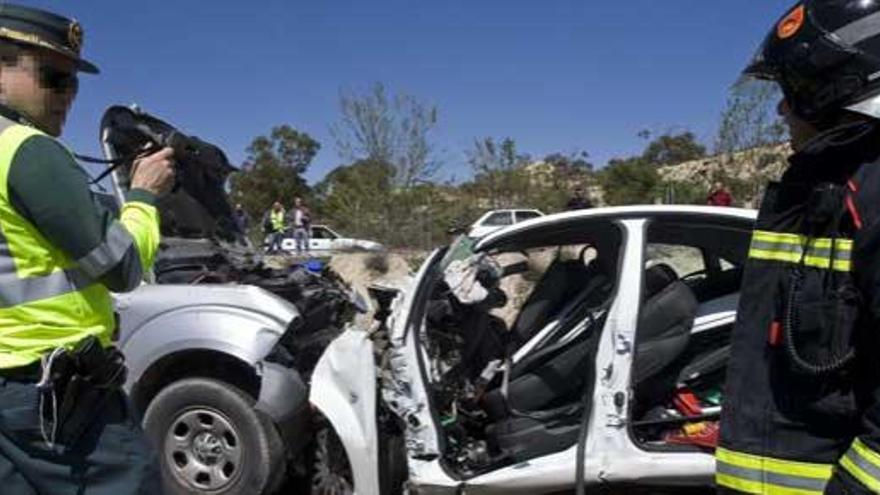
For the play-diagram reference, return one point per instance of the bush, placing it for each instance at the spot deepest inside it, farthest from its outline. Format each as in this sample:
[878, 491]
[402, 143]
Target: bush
[377, 262]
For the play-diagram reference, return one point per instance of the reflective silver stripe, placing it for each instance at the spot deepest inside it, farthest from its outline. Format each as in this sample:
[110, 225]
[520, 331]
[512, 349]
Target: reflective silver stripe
[109, 253]
[864, 464]
[839, 253]
[860, 30]
[15, 291]
[786, 480]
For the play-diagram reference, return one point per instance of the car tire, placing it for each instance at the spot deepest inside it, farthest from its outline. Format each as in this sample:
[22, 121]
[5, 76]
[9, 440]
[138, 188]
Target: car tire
[210, 439]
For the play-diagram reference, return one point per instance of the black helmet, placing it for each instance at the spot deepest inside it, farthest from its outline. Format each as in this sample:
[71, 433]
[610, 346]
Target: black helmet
[825, 54]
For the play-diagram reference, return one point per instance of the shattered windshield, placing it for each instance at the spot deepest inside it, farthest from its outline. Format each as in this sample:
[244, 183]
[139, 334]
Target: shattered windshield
[461, 249]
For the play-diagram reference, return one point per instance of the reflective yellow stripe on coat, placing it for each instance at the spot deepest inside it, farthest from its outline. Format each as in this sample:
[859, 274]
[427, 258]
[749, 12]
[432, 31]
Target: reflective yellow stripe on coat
[750, 473]
[863, 464]
[825, 253]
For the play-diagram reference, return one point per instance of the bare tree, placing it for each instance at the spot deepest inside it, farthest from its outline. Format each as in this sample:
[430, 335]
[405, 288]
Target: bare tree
[751, 136]
[393, 130]
[750, 120]
[497, 169]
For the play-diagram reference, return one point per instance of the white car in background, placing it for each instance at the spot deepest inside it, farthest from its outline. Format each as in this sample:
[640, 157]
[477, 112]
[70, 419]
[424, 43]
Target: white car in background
[498, 219]
[325, 240]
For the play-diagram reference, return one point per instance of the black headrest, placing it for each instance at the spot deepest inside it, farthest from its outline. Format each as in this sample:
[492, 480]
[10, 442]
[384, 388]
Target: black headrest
[657, 278]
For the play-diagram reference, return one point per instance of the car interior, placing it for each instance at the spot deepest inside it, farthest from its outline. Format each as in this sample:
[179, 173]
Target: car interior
[683, 335]
[496, 404]
[505, 393]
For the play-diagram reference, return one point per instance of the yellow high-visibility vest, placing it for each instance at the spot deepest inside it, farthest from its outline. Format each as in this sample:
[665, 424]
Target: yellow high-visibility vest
[48, 300]
[277, 219]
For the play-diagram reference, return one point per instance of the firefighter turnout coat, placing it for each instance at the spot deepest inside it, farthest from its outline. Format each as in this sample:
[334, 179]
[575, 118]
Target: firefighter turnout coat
[802, 403]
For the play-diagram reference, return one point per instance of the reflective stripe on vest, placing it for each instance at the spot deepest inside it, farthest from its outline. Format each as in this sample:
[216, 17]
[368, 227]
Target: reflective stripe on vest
[749, 473]
[790, 248]
[863, 464]
[15, 290]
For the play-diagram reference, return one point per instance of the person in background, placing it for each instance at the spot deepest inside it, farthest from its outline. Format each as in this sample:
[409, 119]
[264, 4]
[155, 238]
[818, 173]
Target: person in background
[302, 226]
[242, 220]
[719, 196]
[274, 224]
[579, 201]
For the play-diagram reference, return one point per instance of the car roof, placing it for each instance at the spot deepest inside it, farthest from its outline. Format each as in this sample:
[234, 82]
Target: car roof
[511, 234]
[512, 210]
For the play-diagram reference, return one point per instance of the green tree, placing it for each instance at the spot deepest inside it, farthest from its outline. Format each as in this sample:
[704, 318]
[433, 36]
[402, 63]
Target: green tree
[577, 162]
[630, 181]
[669, 149]
[355, 198]
[273, 169]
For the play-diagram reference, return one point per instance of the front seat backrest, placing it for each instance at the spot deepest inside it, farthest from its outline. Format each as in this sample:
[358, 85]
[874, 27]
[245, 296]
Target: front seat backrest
[664, 330]
[657, 278]
[562, 281]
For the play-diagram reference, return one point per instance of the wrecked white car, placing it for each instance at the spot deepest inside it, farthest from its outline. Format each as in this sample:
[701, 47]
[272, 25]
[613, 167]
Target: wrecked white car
[609, 371]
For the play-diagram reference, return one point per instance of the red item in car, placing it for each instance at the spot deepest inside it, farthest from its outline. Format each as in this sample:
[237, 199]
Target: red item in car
[700, 434]
[687, 403]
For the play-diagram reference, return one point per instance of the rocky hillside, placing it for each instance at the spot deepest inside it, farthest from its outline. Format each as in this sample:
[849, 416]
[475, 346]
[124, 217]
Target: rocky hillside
[745, 172]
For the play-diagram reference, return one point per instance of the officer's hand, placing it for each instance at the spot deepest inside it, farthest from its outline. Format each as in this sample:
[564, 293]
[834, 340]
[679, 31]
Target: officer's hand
[154, 173]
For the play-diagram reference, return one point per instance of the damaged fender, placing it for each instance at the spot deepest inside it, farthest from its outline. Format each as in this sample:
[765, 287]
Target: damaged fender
[344, 391]
[158, 321]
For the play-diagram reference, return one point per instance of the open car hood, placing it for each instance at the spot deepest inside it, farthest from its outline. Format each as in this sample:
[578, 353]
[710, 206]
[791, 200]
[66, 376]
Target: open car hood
[199, 206]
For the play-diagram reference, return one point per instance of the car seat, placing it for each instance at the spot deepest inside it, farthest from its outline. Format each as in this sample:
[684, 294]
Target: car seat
[663, 332]
[561, 283]
[544, 403]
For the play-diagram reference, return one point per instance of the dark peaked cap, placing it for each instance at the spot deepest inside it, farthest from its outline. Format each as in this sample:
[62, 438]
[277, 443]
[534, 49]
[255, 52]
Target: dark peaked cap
[35, 27]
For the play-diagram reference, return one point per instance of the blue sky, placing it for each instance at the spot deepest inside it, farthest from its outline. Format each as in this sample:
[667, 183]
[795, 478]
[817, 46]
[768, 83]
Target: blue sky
[555, 75]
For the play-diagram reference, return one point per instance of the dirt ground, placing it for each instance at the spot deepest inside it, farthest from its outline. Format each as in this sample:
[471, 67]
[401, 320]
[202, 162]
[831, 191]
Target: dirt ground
[362, 269]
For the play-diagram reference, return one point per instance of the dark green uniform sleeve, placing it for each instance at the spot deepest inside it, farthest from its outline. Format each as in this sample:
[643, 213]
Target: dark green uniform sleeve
[48, 188]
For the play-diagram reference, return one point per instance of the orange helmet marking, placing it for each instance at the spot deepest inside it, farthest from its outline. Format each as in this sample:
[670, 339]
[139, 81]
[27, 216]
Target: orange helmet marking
[792, 23]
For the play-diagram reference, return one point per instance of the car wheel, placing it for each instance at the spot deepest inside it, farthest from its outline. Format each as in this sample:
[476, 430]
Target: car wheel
[330, 469]
[211, 439]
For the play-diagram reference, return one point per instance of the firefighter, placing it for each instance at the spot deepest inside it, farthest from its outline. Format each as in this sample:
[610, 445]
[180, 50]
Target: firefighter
[65, 425]
[802, 399]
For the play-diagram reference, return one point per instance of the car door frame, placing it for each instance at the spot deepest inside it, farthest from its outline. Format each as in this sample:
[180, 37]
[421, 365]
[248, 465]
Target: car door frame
[606, 438]
[611, 454]
[652, 467]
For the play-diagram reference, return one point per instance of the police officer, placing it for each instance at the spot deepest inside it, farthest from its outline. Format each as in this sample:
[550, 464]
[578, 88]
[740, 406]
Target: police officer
[60, 255]
[802, 401]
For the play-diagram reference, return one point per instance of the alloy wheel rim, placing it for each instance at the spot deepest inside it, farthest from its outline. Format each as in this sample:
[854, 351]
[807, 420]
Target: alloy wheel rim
[203, 449]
